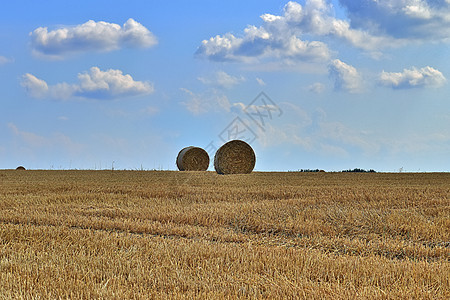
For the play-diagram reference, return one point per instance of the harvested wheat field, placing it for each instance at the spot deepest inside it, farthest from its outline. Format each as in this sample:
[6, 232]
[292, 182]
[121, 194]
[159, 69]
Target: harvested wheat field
[139, 234]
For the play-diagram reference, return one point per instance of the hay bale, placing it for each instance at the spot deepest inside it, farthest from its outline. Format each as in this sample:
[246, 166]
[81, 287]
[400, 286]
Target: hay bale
[235, 157]
[20, 168]
[192, 159]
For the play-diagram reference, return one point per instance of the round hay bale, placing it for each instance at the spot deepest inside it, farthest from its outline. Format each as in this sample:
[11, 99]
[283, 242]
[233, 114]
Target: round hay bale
[192, 159]
[20, 168]
[235, 157]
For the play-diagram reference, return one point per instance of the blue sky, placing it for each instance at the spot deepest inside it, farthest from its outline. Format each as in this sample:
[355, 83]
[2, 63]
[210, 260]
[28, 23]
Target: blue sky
[346, 84]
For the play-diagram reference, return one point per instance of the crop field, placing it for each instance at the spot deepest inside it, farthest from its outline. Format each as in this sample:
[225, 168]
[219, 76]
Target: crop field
[166, 234]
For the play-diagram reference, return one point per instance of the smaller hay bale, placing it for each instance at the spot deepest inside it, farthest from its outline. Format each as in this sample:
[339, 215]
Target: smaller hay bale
[20, 168]
[192, 159]
[235, 157]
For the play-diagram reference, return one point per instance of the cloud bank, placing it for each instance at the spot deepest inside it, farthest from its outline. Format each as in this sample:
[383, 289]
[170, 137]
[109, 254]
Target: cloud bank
[303, 32]
[413, 78]
[285, 36]
[422, 20]
[276, 38]
[90, 36]
[94, 84]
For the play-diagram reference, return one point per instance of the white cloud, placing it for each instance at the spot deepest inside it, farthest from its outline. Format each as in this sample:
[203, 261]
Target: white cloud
[257, 43]
[35, 87]
[28, 137]
[413, 78]
[418, 144]
[90, 36]
[238, 107]
[283, 36]
[260, 81]
[287, 134]
[316, 87]
[96, 84]
[145, 112]
[315, 132]
[222, 79]
[425, 20]
[345, 77]
[35, 141]
[256, 110]
[110, 83]
[316, 17]
[274, 40]
[342, 134]
[149, 111]
[312, 132]
[5, 60]
[211, 100]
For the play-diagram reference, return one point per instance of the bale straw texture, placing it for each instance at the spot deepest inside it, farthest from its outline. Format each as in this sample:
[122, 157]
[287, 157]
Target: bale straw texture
[192, 159]
[235, 157]
[20, 168]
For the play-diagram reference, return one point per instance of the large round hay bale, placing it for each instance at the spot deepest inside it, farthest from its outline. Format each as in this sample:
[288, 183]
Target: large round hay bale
[192, 159]
[20, 168]
[235, 157]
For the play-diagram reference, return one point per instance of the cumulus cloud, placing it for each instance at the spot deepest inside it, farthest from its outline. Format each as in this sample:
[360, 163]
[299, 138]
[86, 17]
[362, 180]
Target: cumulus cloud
[316, 17]
[283, 36]
[413, 78]
[110, 83]
[402, 19]
[90, 36]
[274, 39]
[258, 43]
[95, 84]
[222, 79]
[35, 87]
[345, 77]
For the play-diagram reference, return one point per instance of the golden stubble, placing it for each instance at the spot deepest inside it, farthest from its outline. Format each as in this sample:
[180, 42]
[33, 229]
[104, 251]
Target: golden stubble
[138, 234]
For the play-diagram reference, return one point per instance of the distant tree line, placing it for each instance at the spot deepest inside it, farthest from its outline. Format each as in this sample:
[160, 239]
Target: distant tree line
[356, 170]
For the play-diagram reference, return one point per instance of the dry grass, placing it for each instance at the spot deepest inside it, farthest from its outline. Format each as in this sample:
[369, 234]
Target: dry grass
[122, 235]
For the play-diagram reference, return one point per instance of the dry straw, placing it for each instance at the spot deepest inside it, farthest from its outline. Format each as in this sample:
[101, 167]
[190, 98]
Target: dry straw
[20, 168]
[235, 157]
[192, 159]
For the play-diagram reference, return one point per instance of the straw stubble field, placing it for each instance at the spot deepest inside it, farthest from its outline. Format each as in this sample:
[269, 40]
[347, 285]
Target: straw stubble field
[137, 234]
